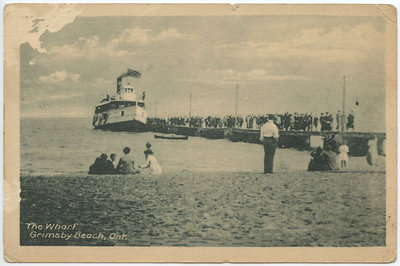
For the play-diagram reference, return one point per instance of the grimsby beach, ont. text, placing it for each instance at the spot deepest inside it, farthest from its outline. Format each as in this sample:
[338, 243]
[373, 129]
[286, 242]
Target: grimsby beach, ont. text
[67, 232]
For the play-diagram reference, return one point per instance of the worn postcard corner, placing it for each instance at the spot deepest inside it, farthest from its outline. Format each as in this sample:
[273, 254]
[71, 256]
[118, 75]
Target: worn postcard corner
[200, 133]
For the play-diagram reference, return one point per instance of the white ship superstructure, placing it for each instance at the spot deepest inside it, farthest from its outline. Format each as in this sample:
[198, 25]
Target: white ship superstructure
[124, 111]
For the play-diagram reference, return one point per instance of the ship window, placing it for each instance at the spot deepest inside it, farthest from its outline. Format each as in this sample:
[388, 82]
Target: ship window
[122, 113]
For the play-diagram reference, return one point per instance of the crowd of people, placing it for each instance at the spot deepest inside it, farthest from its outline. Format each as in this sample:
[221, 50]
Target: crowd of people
[307, 122]
[126, 163]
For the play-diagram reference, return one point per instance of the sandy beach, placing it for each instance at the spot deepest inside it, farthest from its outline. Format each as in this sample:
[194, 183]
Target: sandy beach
[210, 209]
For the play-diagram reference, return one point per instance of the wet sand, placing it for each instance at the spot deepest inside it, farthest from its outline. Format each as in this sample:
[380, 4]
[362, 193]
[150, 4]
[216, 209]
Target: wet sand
[211, 209]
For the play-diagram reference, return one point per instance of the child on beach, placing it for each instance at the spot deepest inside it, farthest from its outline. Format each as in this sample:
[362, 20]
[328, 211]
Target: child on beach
[151, 162]
[343, 156]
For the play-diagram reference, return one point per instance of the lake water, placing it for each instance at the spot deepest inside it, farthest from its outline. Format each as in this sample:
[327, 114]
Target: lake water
[70, 145]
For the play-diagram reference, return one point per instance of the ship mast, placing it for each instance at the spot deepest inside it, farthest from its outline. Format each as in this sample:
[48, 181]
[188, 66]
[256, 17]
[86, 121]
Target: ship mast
[344, 103]
[190, 105]
[236, 102]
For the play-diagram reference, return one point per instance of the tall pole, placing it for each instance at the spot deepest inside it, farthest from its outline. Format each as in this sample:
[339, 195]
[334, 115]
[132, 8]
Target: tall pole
[236, 102]
[344, 103]
[156, 109]
[190, 106]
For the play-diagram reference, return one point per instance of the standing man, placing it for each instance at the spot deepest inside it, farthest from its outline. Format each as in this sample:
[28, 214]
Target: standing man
[338, 122]
[269, 135]
[350, 121]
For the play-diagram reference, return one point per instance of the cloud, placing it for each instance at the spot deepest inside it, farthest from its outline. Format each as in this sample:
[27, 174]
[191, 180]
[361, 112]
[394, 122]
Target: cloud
[142, 36]
[32, 24]
[339, 43]
[136, 35]
[121, 46]
[60, 76]
[85, 48]
[172, 33]
[229, 76]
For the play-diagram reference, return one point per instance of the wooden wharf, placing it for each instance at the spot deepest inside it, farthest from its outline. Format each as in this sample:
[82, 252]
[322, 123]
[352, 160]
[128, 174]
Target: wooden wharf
[357, 141]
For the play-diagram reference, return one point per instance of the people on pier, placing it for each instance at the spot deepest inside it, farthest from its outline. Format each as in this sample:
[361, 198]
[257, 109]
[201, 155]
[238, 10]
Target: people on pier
[350, 121]
[338, 120]
[315, 124]
[305, 122]
[126, 163]
[269, 135]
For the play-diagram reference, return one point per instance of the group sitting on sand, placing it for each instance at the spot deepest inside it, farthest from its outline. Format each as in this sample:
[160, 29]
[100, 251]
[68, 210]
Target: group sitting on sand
[126, 163]
[327, 159]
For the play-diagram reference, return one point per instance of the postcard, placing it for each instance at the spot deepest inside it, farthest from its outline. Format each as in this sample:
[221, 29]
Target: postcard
[200, 133]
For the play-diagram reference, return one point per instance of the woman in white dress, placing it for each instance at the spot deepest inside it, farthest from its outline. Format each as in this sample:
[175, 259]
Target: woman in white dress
[152, 163]
[343, 156]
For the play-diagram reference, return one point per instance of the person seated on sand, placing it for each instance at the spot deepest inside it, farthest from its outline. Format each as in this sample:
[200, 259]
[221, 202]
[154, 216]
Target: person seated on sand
[109, 167]
[317, 161]
[151, 162]
[99, 165]
[126, 163]
[343, 156]
[330, 160]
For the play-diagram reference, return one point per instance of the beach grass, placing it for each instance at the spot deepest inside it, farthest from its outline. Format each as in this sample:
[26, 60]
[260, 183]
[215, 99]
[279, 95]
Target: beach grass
[209, 209]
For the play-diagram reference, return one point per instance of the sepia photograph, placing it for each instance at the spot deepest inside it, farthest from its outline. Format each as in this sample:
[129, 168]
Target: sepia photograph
[200, 126]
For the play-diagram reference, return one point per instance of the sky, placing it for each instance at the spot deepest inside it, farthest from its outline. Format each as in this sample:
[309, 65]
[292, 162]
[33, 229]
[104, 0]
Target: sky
[279, 64]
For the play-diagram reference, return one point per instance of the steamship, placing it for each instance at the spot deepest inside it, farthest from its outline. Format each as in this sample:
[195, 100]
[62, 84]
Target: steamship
[124, 111]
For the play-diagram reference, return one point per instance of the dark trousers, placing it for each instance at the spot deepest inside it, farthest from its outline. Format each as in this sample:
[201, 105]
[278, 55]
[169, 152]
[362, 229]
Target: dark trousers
[269, 153]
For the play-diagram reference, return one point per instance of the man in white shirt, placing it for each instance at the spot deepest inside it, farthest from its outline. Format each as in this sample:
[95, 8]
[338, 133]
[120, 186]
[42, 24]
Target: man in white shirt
[269, 135]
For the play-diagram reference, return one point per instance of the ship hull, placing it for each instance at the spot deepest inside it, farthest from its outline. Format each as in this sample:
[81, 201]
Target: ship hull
[130, 125]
